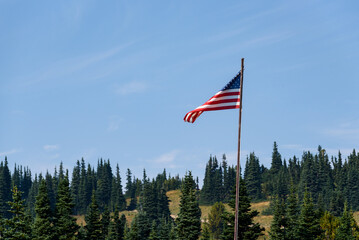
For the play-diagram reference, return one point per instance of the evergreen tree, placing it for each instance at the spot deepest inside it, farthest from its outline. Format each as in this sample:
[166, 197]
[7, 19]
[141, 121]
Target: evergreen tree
[293, 212]
[50, 190]
[276, 164]
[104, 181]
[140, 227]
[189, 217]
[325, 178]
[93, 224]
[215, 220]
[309, 176]
[205, 233]
[5, 188]
[118, 199]
[348, 228]
[17, 227]
[43, 228]
[117, 227]
[105, 222]
[252, 177]
[75, 186]
[336, 205]
[30, 201]
[65, 224]
[164, 229]
[308, 225]
[329, 224]
[280, 188]
[129, 186]
[247, 229]
[148, 199]
[278, 228]
[153, 234]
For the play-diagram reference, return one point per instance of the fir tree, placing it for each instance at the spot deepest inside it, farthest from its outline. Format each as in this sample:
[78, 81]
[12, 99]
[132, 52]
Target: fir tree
[153, 234]
[17, 227]
[252, 177]
[247, 229]
[117, 227]
[105, 222]
[205, 233]
[189, 217]
[75, 186]
[348, 228]
[93, 224]
[43, 228]
[215, 220]
[308, 225]
[5, 189]
[293, 212]
[278, 228]
[65, 224]
[329, 224]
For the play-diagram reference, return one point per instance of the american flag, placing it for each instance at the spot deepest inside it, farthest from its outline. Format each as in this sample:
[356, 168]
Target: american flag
[227, 98]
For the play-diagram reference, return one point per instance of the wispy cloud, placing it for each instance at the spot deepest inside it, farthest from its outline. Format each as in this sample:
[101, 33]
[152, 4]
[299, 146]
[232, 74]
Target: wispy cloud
[131, 88]
[49, 148]
[347, 130]
[167, 157]
[70, 66]
[114, 124]
[166, 160]
[9, 152]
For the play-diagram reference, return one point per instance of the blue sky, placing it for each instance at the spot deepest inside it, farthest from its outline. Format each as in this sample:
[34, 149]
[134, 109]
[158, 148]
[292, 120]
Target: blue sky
[114, 79]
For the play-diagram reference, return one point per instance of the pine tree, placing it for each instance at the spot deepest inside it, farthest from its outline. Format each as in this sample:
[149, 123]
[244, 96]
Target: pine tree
[252, 177]
[5, 189]
[205, 233]
[348, 229]
[247, 229]
[105, 221]
[65, 224]
[43, 228]
[117, 199]
[140, 227]
[30, 201]
[93, 224]
[293, 212]
[153, 234]
[329, 224]
[164, 229]
[17, 227]
[276, 164]
[189, 217]
[308, 178]
[75, 186]
[117, 227]
[129, 186]
[148, 199]
[278, 228]
[309, 225]
[215, 220]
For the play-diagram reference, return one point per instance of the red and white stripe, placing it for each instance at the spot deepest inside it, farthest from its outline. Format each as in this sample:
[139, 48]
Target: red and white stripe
[227, 99]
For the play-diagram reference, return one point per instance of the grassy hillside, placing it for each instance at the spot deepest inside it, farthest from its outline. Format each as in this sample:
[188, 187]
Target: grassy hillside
[174, 197]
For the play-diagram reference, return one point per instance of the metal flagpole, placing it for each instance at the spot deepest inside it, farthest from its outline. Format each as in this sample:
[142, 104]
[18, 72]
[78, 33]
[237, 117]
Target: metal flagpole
[239, 153]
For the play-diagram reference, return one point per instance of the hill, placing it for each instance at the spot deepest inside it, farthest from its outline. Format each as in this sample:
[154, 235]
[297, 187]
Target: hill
[174, 197]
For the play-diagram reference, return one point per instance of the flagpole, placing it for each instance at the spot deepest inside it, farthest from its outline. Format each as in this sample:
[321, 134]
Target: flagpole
[238, 154]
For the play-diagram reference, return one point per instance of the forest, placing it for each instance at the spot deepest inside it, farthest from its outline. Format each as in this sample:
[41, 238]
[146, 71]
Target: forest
[312, 197]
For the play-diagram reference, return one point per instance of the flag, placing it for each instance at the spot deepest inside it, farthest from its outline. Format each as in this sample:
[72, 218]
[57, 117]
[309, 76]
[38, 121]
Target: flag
[227, 98]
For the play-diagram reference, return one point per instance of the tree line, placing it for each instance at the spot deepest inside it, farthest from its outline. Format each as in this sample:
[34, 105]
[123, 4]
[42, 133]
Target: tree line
[313, 196]
[43, 207]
